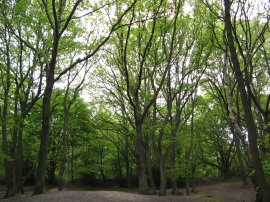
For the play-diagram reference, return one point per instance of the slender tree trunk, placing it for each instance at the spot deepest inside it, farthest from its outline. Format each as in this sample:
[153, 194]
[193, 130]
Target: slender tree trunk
[235, 129]
[120, 173]
[246, 102]
[64, 150]
[241, 162]
[193, 185]
[72, 164]
[163, 180]
[173, 168]
[4, 141]
[51, 171]
[6, 83]
[187, 175]
[128, 173]
[152, 187]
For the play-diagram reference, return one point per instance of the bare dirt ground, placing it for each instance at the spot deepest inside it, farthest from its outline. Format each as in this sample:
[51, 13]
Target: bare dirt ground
[227, 191]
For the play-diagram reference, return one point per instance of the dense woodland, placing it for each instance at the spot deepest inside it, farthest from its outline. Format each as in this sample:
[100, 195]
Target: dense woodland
[134, 93]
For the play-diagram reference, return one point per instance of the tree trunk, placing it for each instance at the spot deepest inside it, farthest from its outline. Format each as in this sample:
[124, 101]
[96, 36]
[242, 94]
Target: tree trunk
[241, 162]
[4, 115]
[193, 186]
[235, 129]
[152, 187]
[140, 157]
[64, 151]
[72, 164]
[40, 186]
[187, 177]
[128, 173]
[173, 168]
[11, 180]
[4, 137]
[51, 174]
[246, 102]
[19, 159]
[162, 186]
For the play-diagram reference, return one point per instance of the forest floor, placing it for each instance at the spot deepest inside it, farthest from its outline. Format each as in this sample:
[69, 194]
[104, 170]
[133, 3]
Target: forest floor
[230, 190]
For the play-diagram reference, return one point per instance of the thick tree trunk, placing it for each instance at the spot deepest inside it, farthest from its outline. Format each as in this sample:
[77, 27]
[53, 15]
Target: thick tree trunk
[40, 186]
[246, 102]
[140, 157]
[11, 180]
[11, 183]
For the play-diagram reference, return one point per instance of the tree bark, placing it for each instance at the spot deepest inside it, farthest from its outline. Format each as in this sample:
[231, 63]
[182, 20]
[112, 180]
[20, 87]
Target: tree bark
[64, 149]
[163, 180]
[241, 162]
[173, 168]
[152, 187]
[4, 115]
[128, 172]
[40, 186]
[140, 158]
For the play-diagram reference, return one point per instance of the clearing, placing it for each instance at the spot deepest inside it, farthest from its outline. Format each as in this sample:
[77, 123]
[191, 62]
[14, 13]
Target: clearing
[218, 190]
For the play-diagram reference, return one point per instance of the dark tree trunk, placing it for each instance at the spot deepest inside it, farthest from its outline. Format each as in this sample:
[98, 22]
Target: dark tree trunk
[128, 172]
[4, 109]
[64, 150]
[19, 159]
[72, 164]
[40, 186]
[187, 167]
[163, 180]
[140, 157]
[11, 183]
[246, 102]
[173, 167]
[51, 171]
[152, 187]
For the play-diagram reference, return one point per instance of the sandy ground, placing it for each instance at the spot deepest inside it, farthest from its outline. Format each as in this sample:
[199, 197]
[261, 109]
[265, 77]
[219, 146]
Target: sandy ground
[221, 191]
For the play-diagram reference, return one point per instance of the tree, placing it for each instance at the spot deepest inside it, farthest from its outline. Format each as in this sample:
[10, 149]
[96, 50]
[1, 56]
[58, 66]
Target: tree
[59, 17]
[136, 42]
[68, 101]
[246, 102]
[21, 89]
